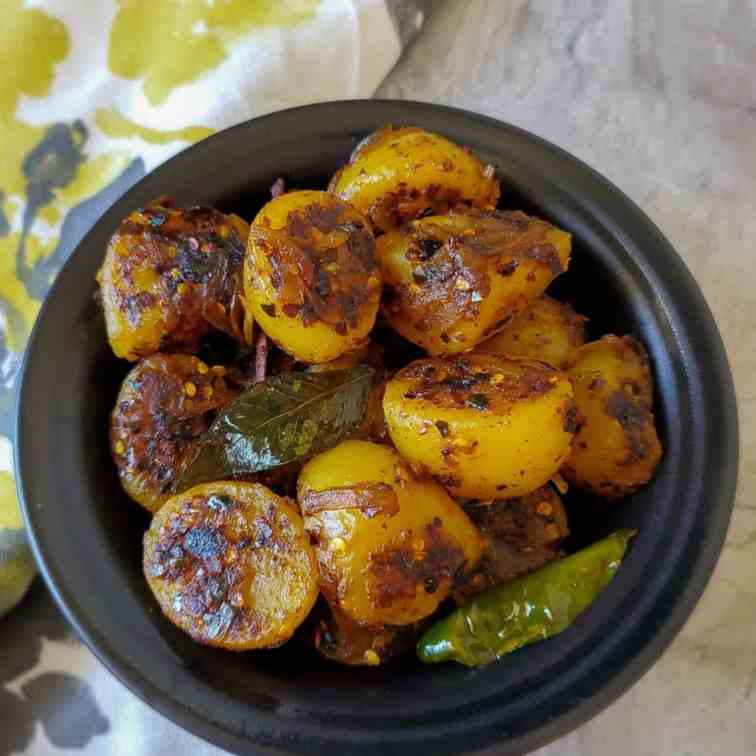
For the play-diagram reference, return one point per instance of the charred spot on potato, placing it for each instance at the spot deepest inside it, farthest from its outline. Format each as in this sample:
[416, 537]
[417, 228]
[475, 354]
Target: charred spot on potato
[154, 421]
[447, 271]
[633, 419]
[168, 278]
[454, 378]
[402, 570]
[478, 401]
[427, 247]
[571, 418]
[208, 580]
[317, 265]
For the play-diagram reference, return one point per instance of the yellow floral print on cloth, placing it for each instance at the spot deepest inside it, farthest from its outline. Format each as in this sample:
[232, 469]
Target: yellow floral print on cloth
[92, 96]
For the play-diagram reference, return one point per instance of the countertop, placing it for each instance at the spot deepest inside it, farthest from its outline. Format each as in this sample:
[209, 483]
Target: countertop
[660, 97]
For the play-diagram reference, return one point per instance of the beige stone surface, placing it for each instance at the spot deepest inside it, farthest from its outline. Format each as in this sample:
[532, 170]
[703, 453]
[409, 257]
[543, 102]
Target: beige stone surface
[660, 97]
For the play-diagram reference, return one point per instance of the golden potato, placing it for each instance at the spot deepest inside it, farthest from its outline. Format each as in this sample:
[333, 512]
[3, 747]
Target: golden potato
[169, 277]
[454, 280]
[520, 534]
[488, 427]
[310, 275]
[231, 565]
[616, 448]
[396, 175]
[389, 542]
[165, 404]
[339, 639]
[546, 330]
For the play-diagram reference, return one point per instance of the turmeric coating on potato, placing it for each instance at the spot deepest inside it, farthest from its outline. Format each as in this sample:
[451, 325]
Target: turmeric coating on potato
[165, 404]
[546, 330]
[486, 426]
[616, 448]
[311, 277]
[452, 281]
[339, 639]
[170, 276]
[520, 534]
[397, 175]
[231, 565]
[390, 543]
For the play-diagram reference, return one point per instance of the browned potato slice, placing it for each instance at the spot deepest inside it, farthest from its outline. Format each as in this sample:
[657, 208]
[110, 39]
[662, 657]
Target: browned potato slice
[390, 543]
[546, 330]
[310, 275]
[487, 426]
[521, 535]
[231, 565]
[165, 404]
[170, 275]
[396, 175]
[339, 639]
[454, 280]
[616, 448]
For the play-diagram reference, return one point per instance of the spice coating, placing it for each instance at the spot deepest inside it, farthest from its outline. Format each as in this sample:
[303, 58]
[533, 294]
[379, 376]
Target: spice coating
[546, 330]
[452, 281]
[170, 276]
[231, 565]
[310, 275]
[165, 404]
[379, 564]
[486, 426]
[397, 175]
[616, 448]
[521, 535]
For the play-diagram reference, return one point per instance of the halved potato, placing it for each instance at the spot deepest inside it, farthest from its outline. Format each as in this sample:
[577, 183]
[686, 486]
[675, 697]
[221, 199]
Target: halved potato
[165, 404]
[547, 330]
[616, 448]
[396, 175]
[231, 565]
[389, 541]
[488, 427]
[169, 277]
[310, 275]
[452, 281]
[521, 535]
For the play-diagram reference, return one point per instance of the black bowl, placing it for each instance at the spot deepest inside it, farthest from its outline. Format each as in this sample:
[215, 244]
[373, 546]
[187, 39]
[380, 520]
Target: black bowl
[87, 538]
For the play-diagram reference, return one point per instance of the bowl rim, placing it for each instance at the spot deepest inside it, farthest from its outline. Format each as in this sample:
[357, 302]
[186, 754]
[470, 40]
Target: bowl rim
[617, 681]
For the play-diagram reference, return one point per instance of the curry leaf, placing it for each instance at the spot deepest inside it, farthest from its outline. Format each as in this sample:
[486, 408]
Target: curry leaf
[285, 418]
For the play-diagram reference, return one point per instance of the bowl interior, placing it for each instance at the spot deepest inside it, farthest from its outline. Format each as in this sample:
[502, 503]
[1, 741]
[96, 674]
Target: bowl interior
[87, 535]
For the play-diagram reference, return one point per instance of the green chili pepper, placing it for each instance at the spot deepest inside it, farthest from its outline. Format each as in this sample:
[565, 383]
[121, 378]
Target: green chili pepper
[528, 609]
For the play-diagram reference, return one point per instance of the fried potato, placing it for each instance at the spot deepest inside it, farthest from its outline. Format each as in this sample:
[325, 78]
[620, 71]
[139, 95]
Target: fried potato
[546, 330]
[616, 448]
[396, 175]
[169, 277]
[165, 404]
[310, 275]
[390, 543]
[231, 565]
[339, 639]
[452, 281]
[486, 426]
[520, 534]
